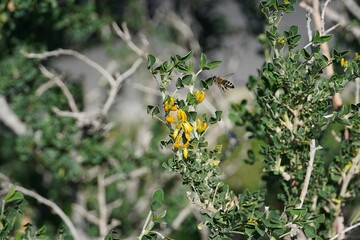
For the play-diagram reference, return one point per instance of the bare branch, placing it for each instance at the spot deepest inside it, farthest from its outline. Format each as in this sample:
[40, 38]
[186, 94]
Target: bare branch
[62, 86]
[48, 203]
[125, 35]
[352, 6]
[345, 231]
[342, 21]
[77, 115]
[323, 16]
[114, 89]
[309, 170]
[44, 87]
[86, 214]
[354, 169]
[76, 54]
[10, 119]
[103, 211]
[134, 174]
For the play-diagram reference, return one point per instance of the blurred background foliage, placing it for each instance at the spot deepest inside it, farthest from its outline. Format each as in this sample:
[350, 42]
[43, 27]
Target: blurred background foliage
[59, 159]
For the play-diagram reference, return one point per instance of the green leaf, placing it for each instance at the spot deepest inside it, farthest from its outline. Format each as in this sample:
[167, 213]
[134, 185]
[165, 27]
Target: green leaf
[153, 110]
[157, 198]
[300, 212]
[310, 231]
[179, 83]
[13, 195]
[203, 85]
[326, 38]
[305, 54]
[193, 115]
[158, 217]
[187, 56]
[202, 61]
[316, 37]
[218, 115]
[213, 64]
[187, 80]
[151, 61]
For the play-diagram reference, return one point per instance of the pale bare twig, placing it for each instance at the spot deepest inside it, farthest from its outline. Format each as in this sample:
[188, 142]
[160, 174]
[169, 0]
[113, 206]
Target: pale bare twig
[88, 215]
[323, 16]
[345, 231]
[357, 90]
[342, 21]
[48, 203]
[354, 169]
[115, 88]
[76, 54]
[103, 211]
[352, 7]
[77, 115]
[125, 35]
[44, 87]
[62, 86]
[185, 31]
[134, 174]
[10, 119]
[309, 170]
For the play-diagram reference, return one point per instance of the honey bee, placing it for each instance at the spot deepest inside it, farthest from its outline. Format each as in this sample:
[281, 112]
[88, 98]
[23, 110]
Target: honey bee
[223, 83]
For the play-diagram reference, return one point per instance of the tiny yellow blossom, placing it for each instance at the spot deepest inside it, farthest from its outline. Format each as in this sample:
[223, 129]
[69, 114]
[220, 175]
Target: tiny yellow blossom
[187, 136]
[201, 127]
[185, 152]
[251, 220]
[357, 57]
[176, 133]
[181, 115]
[177, 142]
[281, 40]
[344, 63]
[170, 118]
[214, 163]
[187, 127]
[169, 105]
[199, 96]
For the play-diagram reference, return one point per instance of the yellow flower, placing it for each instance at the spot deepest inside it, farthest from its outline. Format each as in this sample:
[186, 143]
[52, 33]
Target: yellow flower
[177, 142]
[185, 152]
[187, 127]
[357, 57]
[176, 133]
[251, 220]
[187, 136]
[169, 105]
[181, 115]
[199, 96]
[344, 63]
[170, 118]
[214, 163]
[201, 127]
[281, 40]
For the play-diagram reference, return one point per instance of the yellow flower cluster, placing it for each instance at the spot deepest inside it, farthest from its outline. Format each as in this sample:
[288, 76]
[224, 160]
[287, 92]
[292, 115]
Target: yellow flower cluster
[199, 96]
[169, 105]
[344, 63]
[183, 129]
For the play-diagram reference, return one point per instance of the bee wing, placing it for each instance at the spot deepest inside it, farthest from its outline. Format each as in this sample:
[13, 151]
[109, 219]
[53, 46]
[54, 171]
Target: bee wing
[228, 76]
